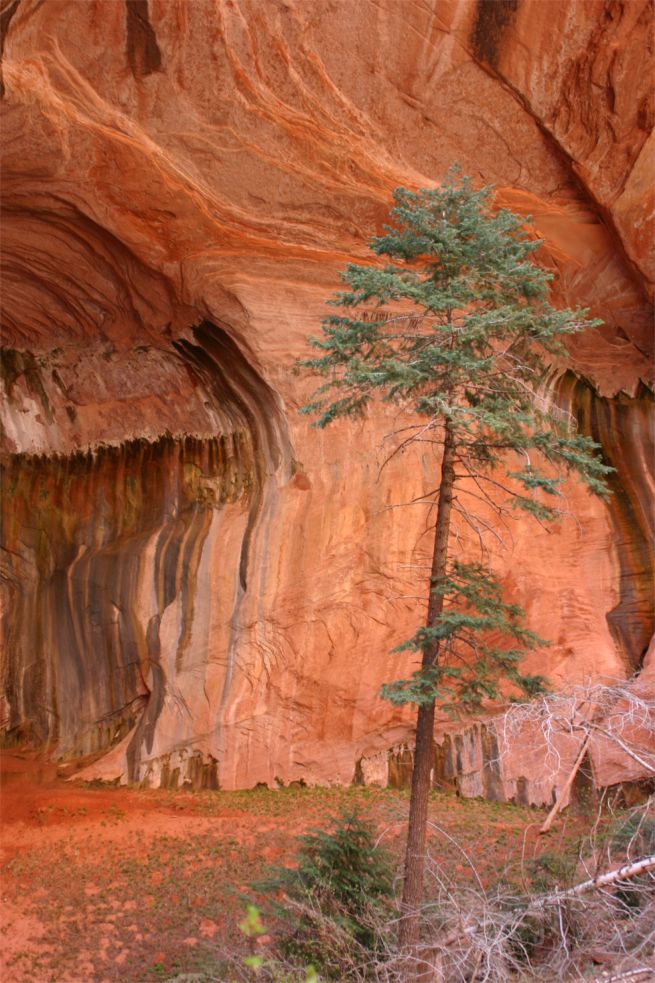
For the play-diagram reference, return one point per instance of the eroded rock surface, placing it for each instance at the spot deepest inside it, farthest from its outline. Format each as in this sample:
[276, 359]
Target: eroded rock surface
[195, 583]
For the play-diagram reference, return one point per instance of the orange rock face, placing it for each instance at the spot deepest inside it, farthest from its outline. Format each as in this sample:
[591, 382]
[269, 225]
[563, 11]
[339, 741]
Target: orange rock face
[195, 583]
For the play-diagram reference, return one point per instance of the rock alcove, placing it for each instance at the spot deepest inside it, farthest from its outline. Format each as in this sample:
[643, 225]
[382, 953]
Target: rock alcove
[196, 586]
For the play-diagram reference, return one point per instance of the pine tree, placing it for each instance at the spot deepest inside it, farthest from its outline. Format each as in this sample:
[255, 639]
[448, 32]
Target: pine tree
[463, 350]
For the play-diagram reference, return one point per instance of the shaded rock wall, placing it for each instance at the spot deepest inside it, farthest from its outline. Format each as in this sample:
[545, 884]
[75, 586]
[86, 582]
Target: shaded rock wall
[195, 582]
[103, 572]
[623, 427]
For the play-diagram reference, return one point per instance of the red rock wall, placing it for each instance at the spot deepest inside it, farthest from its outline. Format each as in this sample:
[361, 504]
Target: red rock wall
[182, 184]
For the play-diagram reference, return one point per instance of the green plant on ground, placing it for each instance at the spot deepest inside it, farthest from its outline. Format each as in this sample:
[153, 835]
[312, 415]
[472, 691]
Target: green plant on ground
[551, 869]
[336, 896]
[634, 834]
[628, 837]
[253, 928]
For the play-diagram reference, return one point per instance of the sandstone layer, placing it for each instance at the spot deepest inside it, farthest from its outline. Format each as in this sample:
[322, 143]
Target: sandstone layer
[196, 585]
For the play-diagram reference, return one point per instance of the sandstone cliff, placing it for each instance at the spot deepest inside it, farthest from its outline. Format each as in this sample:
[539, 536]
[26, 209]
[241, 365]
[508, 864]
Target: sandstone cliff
[194, 582]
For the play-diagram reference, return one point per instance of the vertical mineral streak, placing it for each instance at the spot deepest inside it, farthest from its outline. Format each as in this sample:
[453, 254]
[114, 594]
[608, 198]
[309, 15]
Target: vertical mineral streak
[81, 533]
[623, 426]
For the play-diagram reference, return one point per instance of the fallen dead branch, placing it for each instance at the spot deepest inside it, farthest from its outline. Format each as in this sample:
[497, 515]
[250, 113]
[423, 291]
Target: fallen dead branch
[566, 787]
[483, 937]
[586, 721]
[630, 974]
[623, 873]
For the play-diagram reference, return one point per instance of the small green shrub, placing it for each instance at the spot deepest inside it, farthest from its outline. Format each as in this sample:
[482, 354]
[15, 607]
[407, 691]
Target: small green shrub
[633, 835]
[333, 900]
[551, 870]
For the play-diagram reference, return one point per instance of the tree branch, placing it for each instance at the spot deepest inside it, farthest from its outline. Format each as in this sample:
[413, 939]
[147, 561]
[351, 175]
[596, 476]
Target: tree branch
[623, 873]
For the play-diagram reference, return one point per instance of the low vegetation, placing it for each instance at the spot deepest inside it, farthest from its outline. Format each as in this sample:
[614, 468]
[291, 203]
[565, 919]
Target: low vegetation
[154, 886]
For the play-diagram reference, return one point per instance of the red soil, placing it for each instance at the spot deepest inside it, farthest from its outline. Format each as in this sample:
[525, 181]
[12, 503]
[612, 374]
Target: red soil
[124, 884]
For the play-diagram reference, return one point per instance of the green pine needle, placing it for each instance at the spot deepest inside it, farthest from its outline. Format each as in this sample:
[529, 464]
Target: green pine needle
[457, 328]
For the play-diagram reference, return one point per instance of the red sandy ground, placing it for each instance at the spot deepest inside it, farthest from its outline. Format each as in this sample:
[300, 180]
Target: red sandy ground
[116, 884]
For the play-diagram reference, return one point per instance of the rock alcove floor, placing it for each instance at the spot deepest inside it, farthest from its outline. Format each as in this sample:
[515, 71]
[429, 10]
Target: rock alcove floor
[101, 883]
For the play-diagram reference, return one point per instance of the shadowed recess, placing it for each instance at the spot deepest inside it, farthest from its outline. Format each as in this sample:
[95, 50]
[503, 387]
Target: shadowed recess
[64, 277]
[623, 428]
[75, 534]
[492, 19]
[143, 54]
[102, 547]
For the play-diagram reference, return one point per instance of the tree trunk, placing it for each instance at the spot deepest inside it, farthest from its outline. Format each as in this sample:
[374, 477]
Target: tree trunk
[423, 755]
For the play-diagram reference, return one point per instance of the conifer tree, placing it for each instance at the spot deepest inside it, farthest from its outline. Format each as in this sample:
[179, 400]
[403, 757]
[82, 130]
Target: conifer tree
[457, 331]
